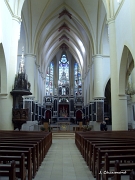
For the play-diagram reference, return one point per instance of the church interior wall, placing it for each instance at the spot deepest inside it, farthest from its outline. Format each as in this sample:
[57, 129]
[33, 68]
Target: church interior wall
[117, 5]
[6, 25]
[105, 42]
[124, 33]
[9, 34]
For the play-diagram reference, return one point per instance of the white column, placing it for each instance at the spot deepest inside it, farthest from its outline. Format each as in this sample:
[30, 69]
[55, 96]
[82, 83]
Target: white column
[119, 102]
[6, 102]
[71, 74]
[98, 76]
[133, 83]
[41, 88]
[36, 80]
[55, 77]
[30, 70]
[91, 82]
[131, 111]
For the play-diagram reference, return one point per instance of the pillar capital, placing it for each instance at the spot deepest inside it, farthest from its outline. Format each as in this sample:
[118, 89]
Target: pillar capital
[30, 55]
[122, 97]
[16, 18]
[97, 56]
[111, 20]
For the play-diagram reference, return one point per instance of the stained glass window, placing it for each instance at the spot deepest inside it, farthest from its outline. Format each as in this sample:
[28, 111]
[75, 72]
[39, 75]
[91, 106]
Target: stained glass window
[63, 81]
[63, 71]
[49, 80]
[77, 80]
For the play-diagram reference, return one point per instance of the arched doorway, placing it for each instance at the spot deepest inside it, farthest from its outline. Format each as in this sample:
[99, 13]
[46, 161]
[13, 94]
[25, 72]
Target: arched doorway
[126, 83]
[107, 103]
[79, 115]
[48, 115]
[3, 72]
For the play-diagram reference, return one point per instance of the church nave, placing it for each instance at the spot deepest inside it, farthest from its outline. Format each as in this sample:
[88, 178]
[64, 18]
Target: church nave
[63, 162]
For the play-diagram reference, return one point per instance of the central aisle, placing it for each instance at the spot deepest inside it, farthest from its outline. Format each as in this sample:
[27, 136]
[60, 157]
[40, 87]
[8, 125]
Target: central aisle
[63, 162]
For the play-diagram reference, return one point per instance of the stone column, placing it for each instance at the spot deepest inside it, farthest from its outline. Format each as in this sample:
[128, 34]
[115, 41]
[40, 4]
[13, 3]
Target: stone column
[36, 80]
[98, 87]
[91, 82]
[30, 70]
[98, 76]
[133, 84]
[41, 88]
[131, 103]
[56, 76]
[118, 101]
[71, 76]
[6, 100]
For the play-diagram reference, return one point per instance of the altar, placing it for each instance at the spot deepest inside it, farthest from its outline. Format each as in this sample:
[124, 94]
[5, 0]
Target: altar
[63, 119]
[64, 126]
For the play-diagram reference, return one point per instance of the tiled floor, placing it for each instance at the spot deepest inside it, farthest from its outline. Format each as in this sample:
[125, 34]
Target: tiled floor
[63, 162]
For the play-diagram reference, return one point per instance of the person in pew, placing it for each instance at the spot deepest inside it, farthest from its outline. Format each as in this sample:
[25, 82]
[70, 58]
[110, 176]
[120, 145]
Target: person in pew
[103, 126]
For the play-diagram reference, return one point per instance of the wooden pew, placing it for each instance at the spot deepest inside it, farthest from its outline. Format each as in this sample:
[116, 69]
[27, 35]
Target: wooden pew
[132, 175]
[46, 138]
[83, 141]
[108, 146]
[109, 163]
[103, 135]
[127, 167]
[20, 164]
[43, 140]
[104, 142]
[95, 144]
[8, 170]
[101, 154]
[27, 144]
[21, 141]
[22, 148]
[18, 153]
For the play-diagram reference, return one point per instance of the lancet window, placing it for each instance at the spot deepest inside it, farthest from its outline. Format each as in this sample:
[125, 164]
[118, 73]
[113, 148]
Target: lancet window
[49, 80]
[77, 80]
[63, 75]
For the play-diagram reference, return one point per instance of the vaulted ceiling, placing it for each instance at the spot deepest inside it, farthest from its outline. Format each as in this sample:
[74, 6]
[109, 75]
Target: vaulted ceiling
[48, 26]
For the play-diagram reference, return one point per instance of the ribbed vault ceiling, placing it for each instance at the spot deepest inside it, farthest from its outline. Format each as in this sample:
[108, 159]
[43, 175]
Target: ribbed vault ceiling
[75, 24]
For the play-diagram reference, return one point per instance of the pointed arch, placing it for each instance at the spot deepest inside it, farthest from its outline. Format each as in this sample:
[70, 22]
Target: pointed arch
[3, 72]
[126, 66]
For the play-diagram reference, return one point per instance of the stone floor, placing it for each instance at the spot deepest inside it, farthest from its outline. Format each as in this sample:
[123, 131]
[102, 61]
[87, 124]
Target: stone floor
[63, 162]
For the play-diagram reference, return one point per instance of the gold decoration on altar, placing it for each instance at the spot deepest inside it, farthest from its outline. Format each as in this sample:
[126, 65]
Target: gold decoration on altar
[64, 126]
[63, 112]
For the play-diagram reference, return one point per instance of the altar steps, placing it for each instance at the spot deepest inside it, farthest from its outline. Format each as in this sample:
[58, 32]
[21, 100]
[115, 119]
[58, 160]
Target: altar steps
[63, 135]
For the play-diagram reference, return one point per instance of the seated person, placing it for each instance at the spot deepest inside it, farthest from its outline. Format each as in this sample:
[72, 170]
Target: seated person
[103, 126]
